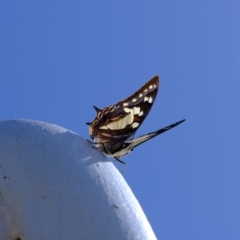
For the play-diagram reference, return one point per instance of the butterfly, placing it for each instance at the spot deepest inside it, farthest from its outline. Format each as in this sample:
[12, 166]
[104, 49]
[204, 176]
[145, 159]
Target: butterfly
[114, 127]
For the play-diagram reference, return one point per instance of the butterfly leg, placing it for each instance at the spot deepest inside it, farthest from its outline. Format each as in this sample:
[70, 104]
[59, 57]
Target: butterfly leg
[125, 165]
[94, 145]
[90, 141]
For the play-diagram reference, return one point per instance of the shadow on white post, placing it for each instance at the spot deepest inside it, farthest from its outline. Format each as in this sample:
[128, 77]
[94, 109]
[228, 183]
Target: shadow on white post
[54, 186]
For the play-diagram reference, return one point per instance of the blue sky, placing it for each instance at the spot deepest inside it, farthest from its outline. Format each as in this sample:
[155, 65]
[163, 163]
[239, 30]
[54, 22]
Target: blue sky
[58, 58]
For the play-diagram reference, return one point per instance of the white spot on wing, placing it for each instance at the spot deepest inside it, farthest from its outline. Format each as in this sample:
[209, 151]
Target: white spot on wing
[140, 95]
[134, 100]
[150, 100]
[103, 127]
[125, 104]
[127, 110]
[154, 85]
[145, 99]
[145, 90]
[140, 114]
[136, 110]
[150, 87]
[135, 125]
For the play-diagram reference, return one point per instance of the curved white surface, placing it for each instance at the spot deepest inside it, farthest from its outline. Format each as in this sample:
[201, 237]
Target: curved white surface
[53, 185]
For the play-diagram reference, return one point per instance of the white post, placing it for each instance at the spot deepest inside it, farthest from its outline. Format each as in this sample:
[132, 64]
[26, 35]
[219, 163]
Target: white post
[54, 186]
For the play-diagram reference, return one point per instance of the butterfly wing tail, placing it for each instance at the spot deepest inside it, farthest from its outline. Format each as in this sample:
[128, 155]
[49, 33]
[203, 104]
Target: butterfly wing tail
[139, 140]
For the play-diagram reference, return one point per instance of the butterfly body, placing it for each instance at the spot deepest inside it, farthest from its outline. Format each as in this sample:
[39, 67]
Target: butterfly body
[114, 126]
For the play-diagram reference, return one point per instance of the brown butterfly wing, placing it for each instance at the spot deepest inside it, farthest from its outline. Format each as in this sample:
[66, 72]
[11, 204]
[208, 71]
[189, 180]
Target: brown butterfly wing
[120, 121]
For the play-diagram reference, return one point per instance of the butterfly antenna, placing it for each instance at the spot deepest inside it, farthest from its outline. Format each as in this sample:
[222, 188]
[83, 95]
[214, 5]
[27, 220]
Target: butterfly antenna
[97, 109]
